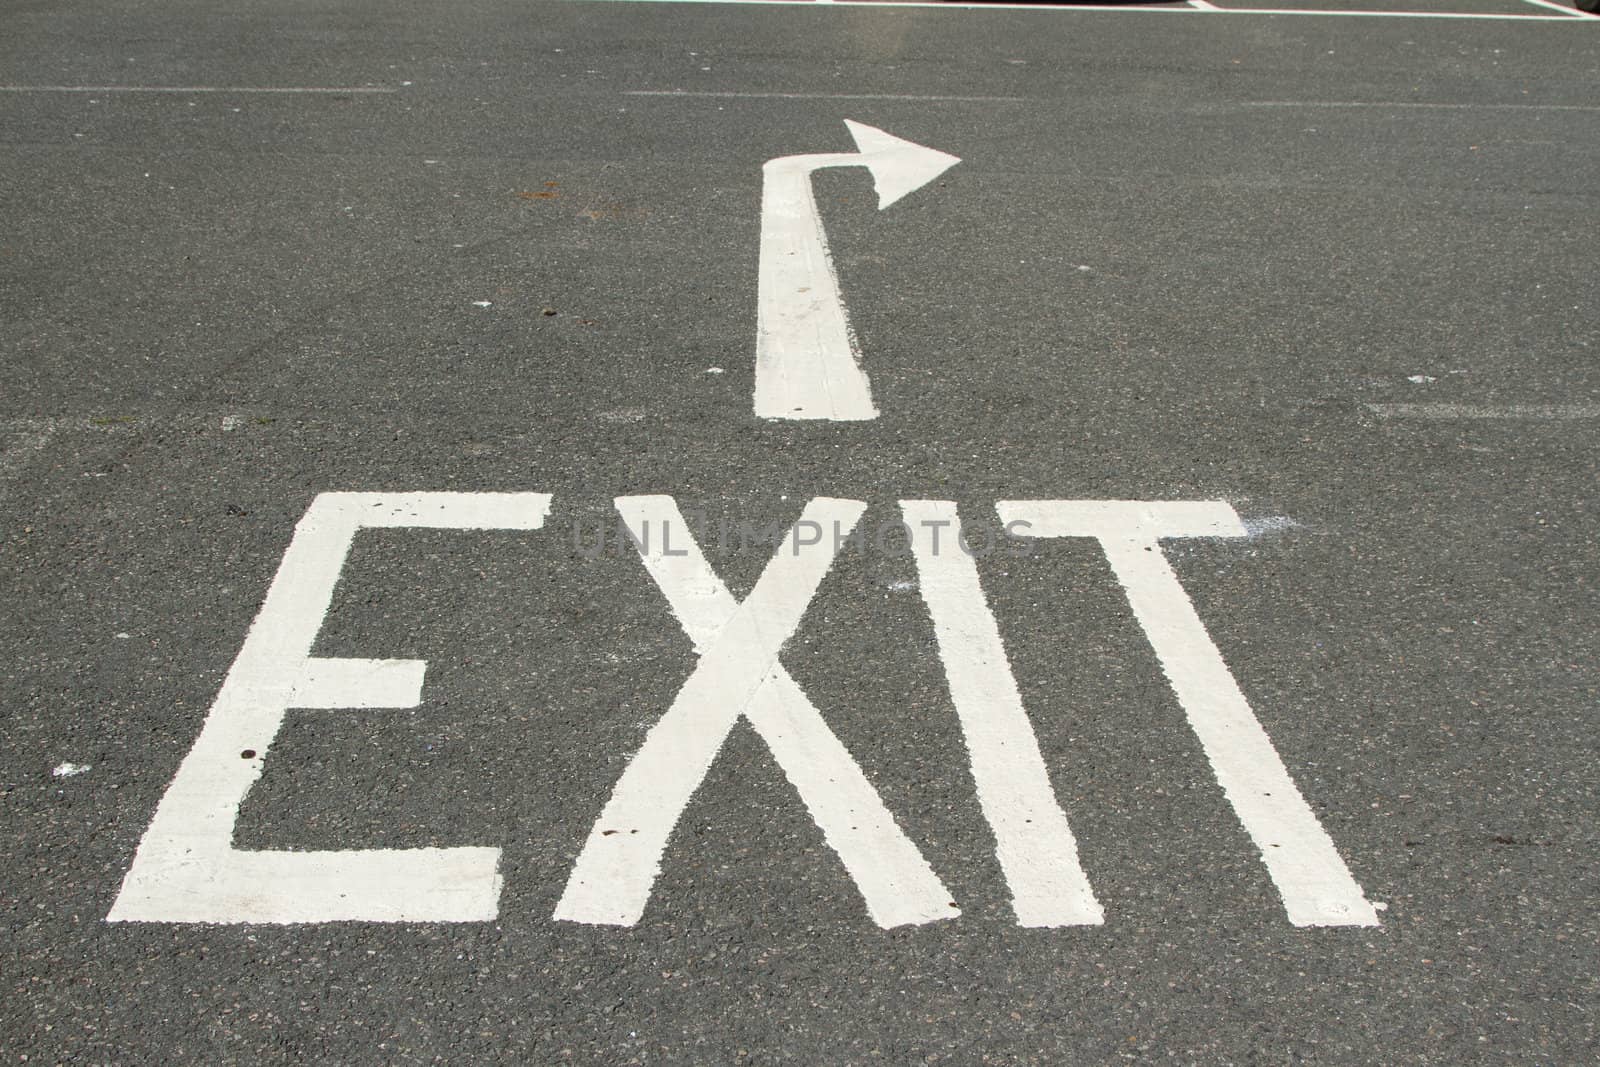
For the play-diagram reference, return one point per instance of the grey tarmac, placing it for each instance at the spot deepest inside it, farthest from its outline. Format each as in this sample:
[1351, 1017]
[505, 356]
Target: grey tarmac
[1335, 270]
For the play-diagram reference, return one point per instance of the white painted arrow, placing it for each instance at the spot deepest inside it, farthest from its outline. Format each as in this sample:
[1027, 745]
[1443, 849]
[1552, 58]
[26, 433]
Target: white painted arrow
[808, 364]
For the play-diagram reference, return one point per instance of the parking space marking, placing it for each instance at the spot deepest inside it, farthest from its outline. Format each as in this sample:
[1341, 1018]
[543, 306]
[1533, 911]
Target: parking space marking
[1562, 14]
[1549, 412]
[301, 90]
[1470, 16]
[692, 94]
[1416, 105]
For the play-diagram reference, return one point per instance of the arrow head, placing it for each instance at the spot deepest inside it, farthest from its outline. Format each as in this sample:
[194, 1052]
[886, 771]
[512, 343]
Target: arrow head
[898, 166]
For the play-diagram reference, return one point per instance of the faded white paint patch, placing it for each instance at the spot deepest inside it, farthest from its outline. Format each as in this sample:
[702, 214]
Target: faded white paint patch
[70, 770]
[228, 90]
[1263, 525]
[21, 440]
[1235, 12]
[1535, 412]
[917, 97]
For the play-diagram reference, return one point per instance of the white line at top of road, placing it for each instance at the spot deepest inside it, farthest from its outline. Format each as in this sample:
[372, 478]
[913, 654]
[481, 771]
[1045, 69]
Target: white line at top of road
[1379, 105]
[1552, 5]
[298, 89]
[829, 96]
[1486, 411]
[1571, 14]
[1420, 105]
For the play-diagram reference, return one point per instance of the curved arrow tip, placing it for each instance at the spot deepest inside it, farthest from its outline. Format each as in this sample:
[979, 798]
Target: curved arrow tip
[898, 166]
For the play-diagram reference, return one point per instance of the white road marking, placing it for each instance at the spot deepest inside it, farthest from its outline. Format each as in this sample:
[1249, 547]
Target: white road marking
[687, 93]
[807, 358]
[1316, 886]
[186, 868]
[1033, 842]
[1186, 9]
[1553, 412]
[1379, 104]
[739, 674]
[359, 683]
[1563, 8]
[70, 770]
[1460, 15]
[301, 90]
[1202, 5]
[1417, 105]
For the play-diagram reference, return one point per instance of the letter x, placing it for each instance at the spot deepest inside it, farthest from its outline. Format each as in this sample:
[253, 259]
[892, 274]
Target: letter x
[739, 675]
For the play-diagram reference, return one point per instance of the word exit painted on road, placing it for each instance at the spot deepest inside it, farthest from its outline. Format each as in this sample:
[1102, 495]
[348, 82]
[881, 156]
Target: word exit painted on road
[187, 869]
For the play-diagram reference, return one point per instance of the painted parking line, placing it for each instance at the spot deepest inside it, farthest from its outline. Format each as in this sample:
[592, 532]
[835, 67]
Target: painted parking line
[1463, 7]
[184, 90]
[1533, 412]
[1414, 105]
[690, 94]
[1552, 5]
[1555, 12]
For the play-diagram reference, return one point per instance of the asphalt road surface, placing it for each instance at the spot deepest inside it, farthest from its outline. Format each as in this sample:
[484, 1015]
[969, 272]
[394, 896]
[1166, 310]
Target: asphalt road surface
[349, 349]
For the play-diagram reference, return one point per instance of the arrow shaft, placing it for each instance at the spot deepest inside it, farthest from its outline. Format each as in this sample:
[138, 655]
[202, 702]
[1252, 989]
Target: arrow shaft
[807, 360]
